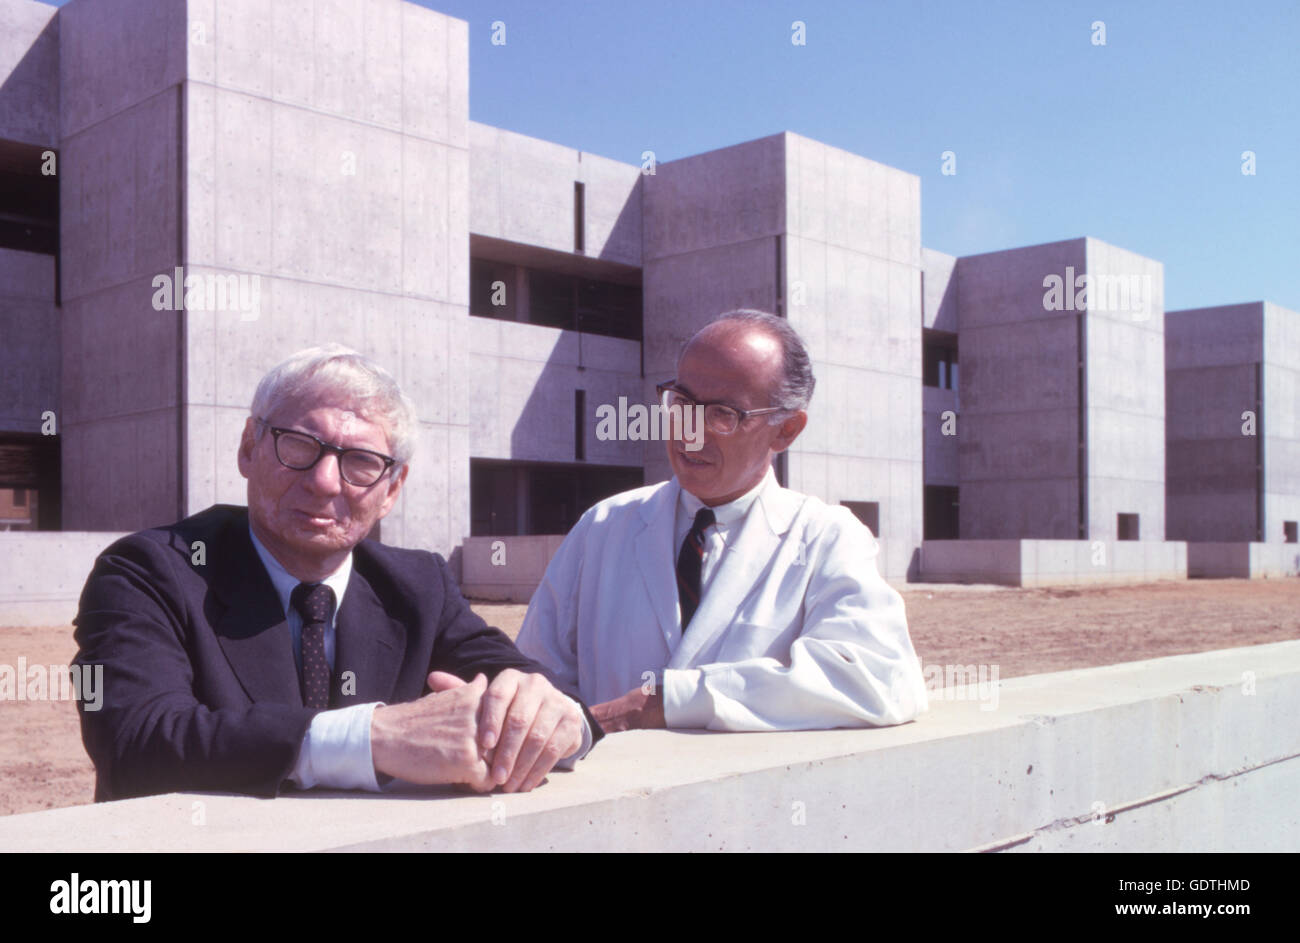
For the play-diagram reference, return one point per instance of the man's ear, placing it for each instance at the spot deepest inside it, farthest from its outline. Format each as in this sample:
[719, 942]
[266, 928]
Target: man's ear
[246, 443]
[789, 430]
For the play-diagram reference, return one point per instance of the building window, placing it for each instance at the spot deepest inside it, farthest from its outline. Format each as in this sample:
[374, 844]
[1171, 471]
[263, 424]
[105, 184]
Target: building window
[868, 512]
[939, 360]
[1128, 527]
[1289, 533]
[941, 505]
[512, 499]
[29, 199]
[30, 482]
[554, 299]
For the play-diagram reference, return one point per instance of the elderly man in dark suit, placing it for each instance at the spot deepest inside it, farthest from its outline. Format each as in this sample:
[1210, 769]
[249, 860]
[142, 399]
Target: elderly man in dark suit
[249, 648]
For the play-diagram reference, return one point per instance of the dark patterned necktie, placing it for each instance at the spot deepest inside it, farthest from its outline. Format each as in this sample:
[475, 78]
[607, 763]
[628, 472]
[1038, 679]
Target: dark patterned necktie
[690, 560]
[315, 603]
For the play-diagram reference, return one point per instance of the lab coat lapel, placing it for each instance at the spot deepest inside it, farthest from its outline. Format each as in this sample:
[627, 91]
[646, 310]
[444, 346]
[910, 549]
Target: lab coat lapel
[746, 558]
[657, 558]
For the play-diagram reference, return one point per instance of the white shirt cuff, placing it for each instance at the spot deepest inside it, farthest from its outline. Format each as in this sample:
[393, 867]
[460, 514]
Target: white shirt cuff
[687, 701]
[335, 751]
[569, 761]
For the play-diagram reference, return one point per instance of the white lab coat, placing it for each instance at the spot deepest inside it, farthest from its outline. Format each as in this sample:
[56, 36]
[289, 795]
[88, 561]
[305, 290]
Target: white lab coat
[797, 630]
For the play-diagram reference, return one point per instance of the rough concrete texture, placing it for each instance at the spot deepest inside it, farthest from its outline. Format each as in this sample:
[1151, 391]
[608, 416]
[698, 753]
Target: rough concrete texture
[44, 574]
[1052, 562]
[29, 69]
[1131, 757]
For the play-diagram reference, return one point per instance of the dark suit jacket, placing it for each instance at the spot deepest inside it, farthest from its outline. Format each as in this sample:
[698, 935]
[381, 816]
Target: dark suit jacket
[200, 687]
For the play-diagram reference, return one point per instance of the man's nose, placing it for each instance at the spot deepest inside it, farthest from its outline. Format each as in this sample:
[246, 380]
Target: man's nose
[325, 476]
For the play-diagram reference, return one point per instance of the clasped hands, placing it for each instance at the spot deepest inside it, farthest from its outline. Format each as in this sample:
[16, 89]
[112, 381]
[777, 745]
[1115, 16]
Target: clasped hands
[507, 734]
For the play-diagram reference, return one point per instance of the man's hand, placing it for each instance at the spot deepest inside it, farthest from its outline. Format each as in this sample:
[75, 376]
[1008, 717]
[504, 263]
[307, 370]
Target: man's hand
[525, 727]
[635, 710]
[434, 739]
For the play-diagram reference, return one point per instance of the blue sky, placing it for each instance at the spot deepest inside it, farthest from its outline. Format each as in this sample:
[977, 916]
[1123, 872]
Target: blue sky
[1137, 142]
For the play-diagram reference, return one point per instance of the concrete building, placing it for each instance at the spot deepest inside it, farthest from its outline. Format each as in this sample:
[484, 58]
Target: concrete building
[167, 233]
[250, 195]
[1055, 431]
[1233, 437]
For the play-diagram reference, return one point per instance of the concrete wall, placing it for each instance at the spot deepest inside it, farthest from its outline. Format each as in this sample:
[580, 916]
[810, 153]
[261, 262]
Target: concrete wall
[1052, 562]
[1281, 420]
[1019, 434]
[44, 573]
[1212, 358]
[522, 190]
[505, 569]
[523, 378]
[853, 290]
[120, 225]
[327, 152]
[1246, 560]
[1184, 754]
[29, 324]
[1125, 391]
[29, 72]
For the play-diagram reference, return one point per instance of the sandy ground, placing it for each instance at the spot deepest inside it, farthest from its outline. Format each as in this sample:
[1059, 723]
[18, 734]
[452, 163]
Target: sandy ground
[43, 765]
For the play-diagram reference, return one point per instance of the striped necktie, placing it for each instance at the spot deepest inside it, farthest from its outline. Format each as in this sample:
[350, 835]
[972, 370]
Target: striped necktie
[690, 561]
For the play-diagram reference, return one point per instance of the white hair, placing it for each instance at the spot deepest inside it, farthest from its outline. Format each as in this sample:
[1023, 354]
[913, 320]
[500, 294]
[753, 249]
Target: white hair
[332, 374]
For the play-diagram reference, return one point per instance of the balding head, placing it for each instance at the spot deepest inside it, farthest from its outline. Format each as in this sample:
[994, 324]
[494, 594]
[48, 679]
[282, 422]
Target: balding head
[760, 333]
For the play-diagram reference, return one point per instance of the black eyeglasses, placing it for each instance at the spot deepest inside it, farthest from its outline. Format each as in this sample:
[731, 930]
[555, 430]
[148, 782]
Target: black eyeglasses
[301, 451]
[719, 417]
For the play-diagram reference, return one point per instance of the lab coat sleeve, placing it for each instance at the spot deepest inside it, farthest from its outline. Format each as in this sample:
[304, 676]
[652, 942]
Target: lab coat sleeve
[852, 665]
[550, 630]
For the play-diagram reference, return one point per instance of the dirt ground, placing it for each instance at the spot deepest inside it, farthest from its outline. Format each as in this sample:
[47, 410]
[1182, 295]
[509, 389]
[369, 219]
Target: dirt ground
[1029, 631]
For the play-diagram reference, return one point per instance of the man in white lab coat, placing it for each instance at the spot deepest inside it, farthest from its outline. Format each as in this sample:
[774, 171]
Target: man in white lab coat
[719, 599]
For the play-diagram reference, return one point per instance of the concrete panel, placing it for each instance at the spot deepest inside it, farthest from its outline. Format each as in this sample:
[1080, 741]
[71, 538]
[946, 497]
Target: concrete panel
[730, 195]
[1007, 287]
[44, 574]
[1213, 337]
[940, 300]
[120, 196]
[101, 47]
[29, 72]
[998, 510]
[506, 569]
[1155, 745]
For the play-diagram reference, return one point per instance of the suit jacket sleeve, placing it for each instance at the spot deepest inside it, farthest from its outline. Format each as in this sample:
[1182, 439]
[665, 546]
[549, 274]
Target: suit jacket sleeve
[152, 733]
[852, 664]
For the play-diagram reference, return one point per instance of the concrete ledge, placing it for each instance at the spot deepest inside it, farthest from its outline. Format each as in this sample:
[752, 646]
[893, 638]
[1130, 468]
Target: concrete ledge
[44, 572]
[1189, 753]
[1030, 563]
[1243, 560]
[506, 569]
